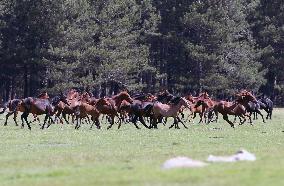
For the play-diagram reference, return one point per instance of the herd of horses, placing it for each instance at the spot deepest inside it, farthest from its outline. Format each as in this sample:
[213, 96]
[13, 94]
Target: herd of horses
[148, 109]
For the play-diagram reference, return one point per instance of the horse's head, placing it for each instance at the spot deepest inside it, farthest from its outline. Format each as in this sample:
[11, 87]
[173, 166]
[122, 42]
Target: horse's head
[85, 97]
[246, 96]
[150, 97]
[190, 98]
[43, 95]
[123, 96]
[72, 94]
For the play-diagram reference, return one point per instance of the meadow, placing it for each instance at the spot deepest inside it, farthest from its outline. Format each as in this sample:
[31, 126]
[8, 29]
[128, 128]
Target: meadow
[62, 156]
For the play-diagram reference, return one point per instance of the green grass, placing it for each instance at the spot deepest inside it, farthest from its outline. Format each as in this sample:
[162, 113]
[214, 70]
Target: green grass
[63, 156]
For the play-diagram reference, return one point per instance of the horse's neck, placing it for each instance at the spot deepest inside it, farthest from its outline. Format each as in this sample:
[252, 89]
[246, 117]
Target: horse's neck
[176, 107]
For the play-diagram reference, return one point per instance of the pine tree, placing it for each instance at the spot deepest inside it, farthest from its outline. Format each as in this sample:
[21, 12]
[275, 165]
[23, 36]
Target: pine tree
[221, 47]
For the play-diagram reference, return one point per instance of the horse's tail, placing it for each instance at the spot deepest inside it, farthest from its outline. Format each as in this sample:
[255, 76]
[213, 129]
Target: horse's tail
[6, 105]
[4, 108]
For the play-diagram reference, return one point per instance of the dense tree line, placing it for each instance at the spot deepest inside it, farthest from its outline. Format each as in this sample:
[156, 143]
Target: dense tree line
[185, 46]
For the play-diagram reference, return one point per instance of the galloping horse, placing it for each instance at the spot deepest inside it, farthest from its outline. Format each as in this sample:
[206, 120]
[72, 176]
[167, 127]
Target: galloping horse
[169, 110]
[200, 105]
[15, 106]
[237, 108]
[39, 106]
[110, 106]
[83, 110]
[268, 106]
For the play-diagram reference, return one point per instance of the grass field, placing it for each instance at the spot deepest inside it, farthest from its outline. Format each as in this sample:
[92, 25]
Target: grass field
[62, 156]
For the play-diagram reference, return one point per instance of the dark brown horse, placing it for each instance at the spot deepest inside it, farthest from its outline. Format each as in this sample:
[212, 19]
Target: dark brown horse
[39, 106]
[15, 106]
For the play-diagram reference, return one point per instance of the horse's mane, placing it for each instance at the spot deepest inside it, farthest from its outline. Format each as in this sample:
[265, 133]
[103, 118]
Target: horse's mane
[120, 94]
[175, 101]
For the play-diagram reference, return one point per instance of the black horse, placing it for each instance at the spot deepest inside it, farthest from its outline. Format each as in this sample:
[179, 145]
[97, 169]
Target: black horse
[267, 105]
[138, 110]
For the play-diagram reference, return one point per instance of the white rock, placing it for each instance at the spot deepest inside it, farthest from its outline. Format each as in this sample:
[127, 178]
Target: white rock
[241, 155]
[182, 162]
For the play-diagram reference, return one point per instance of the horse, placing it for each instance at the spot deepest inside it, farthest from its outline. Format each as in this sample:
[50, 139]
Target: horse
[39, 106]
[110, 106]
[267, 106]
[169, 110]
[83, 110]
[254, 108]
[15, 106]
[138, 109]
[201, 105]
[237, 108]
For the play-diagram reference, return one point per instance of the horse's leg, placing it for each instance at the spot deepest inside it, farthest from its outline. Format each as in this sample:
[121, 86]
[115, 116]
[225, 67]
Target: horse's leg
[7, 117]
[77, 122]
[182, 115]
[267, 111]
[182, 122]
[225, 117]
[173, 125]
[15, 118]
[243, 121]
[176, 123]
[135, 121]
[217, 115]
[258, 112]
[64, 117]
[59, 112]
[235, 119]
[98, 123]
[119, 121]
[165, 121]
[50, 120]
[270, 113]
[255, 115]
[93, 121]
[201, 118]
[155, 123]
[112, 122]
[141, 119]
[45, 120]
[25, 117]
[22, 119]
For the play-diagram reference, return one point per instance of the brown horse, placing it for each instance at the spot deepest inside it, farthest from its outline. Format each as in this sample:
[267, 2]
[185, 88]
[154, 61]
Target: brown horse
[39, 107]
[84, 110]
[169, 110]
[197, 109]
[237, 108]
[15, 107]
[67, 108]
[110, 106]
